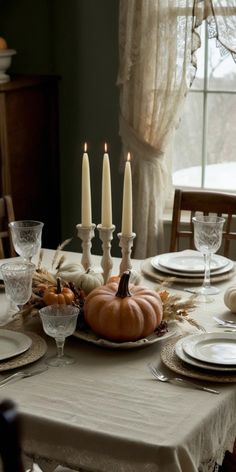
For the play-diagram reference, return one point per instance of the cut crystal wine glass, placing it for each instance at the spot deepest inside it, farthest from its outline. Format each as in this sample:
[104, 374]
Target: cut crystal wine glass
[26, 237]
[207, 240]
[59, 321]
[17, 277]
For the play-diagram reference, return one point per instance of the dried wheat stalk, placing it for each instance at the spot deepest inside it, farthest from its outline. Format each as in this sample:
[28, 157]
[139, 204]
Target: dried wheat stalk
[59, 248]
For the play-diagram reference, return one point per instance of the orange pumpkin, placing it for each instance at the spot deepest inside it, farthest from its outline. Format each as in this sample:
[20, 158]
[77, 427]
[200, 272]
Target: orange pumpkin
[113, 278]
[58, 295]
[123, 314]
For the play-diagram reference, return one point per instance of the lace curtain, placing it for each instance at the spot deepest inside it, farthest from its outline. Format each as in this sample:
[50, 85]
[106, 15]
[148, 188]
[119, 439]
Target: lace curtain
[157, 42]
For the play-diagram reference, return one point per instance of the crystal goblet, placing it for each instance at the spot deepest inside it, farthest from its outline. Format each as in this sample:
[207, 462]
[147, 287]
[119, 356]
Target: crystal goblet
[26, 237]
[17, 277]
[59, 321]
[207, 240]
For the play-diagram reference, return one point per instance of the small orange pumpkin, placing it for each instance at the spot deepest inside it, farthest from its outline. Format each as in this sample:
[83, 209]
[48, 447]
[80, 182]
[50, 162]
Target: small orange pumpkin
[123, 314]
[113, 278]
[58, 295]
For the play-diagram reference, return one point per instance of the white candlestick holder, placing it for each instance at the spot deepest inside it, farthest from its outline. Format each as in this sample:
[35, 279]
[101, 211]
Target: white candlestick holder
[86, 234]
[126, 244]
[106, 236]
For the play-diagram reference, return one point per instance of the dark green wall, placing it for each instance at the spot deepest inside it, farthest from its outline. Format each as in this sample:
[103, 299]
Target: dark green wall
[77, 40]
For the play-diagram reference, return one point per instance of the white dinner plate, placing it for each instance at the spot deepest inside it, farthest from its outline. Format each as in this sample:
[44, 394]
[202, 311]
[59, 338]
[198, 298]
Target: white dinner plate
[223, 270]
[214, 348]
[13, 343]
[190, 261]
[91, 337]
[194, 362]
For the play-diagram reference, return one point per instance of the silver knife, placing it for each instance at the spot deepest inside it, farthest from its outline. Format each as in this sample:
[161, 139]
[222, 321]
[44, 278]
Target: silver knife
[21, 374]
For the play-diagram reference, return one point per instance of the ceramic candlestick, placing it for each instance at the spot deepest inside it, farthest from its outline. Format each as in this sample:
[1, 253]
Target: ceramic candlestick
[126, 244]
[106, 236]
[86, 234]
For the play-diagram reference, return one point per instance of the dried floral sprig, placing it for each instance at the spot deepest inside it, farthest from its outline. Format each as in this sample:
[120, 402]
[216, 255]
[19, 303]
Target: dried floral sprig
[176, 308]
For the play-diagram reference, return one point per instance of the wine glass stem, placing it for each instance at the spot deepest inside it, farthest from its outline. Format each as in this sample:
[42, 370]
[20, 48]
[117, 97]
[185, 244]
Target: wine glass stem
[60, 346]
[207, 261]
[27, 259]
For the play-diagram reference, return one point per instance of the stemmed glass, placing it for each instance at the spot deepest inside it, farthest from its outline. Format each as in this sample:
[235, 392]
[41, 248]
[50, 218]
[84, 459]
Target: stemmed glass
[26, 237]
[59, 321]
[17, 277]
[207, 240]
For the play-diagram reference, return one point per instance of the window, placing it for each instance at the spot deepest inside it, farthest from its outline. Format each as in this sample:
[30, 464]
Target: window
[205, 142]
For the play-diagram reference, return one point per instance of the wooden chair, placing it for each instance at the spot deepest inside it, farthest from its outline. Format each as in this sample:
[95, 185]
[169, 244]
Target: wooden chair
[190, 202]
[6, 216]
[10, 448]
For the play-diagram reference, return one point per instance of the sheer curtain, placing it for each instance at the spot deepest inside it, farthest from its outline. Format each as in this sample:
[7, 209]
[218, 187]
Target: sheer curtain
[157, 66]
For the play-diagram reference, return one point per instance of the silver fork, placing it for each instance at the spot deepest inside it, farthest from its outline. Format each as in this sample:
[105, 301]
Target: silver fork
[177, 380]
[225, 323]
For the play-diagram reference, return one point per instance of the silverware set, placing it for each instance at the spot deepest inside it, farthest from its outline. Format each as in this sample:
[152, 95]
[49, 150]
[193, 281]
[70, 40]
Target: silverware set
[178, 381]
[22, 374]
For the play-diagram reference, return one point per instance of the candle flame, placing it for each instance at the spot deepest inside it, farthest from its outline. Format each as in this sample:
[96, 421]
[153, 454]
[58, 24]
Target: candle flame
[85, 147]
[128, 157]
[105, 147]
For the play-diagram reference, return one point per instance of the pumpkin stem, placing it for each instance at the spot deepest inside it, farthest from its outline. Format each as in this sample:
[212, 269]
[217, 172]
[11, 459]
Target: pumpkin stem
[58, 285]
[123, 288]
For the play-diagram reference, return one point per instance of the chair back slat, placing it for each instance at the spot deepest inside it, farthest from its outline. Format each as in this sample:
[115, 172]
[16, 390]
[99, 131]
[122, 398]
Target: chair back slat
[192, 202]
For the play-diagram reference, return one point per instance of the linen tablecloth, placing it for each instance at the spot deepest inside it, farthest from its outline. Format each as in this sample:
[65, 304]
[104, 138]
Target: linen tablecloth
[105, 412]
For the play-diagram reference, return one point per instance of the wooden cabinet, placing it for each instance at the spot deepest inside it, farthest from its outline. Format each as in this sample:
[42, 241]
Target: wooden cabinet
[29, 151]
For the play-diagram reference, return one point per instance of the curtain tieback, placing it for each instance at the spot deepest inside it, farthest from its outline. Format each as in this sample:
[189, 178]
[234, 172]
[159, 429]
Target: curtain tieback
[139, 148]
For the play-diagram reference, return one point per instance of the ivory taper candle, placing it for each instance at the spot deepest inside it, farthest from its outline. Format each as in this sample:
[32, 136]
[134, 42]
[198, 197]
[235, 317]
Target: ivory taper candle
[127, 210]
[106, 192]
[86, 213]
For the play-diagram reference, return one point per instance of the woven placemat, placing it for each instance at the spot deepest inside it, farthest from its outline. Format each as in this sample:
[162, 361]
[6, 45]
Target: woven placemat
[170, 359]
[148, 270]
[35, 352]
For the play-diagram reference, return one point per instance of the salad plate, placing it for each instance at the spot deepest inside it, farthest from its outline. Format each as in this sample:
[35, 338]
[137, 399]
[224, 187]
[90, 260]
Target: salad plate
[190, 261]
[214, 348]
[13, 343]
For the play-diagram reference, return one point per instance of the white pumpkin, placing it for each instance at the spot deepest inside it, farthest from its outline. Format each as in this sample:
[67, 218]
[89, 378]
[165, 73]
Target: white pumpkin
[90, 280]
[230, 298]
[71, 272]
[135, 277]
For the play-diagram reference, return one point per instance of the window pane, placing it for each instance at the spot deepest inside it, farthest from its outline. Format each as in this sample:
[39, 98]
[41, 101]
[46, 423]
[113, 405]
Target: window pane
[221, 141]
[221, 69]
[188, 143]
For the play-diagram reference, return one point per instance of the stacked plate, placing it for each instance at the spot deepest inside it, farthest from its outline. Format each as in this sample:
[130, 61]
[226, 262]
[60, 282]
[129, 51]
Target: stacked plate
[19, 349]
[13, 343]
[208, 351]
[190, 265]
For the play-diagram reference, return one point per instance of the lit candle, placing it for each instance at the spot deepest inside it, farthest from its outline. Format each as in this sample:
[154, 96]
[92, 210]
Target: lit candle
[127, 212]
[106, 191]
[86, 217]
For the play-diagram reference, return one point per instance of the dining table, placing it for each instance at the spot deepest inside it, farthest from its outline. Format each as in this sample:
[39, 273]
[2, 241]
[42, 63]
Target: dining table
[106, 412]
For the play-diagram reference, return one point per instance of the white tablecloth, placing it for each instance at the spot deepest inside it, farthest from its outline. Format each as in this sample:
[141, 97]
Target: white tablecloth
[105, 412]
